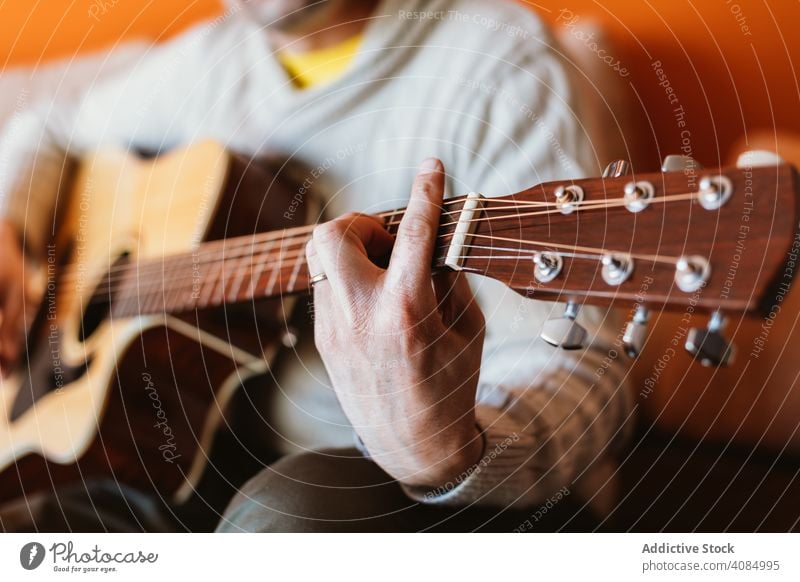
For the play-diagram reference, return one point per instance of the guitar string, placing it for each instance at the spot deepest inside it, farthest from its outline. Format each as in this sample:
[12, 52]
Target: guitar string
[266, 264]
[268, 260]
[290, 260]
[229, 250]
[271, 236]
[279, 234]
[147, 295]
[231, 255]
[521, 254]
[156, 301]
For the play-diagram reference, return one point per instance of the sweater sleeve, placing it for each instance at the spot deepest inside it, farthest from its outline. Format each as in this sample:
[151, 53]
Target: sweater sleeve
[549, 417]
[34, 168]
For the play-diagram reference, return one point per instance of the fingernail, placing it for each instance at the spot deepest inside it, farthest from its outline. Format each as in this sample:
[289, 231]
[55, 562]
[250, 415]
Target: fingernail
[429, 165]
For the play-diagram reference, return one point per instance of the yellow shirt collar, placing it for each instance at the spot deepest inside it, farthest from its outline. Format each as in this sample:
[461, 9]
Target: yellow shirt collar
[312, 68]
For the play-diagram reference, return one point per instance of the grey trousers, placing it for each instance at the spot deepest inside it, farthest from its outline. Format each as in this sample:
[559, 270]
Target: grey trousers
[334, 490]
[338, 490]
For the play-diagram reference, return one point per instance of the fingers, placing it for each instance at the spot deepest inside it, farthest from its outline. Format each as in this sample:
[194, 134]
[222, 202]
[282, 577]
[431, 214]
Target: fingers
[457, 303]
[410, 265]
[342, 249]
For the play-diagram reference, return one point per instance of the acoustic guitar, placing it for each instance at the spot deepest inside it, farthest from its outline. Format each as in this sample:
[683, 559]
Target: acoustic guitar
[172, 279]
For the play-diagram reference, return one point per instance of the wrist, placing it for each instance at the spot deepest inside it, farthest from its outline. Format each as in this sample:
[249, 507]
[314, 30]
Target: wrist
[449, 465]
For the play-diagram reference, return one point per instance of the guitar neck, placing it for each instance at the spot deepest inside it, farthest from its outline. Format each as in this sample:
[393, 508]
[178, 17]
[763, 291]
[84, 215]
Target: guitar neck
[600, 241]
[234, 270]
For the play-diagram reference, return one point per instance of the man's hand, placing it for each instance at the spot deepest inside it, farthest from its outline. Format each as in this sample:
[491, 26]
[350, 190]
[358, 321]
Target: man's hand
[402, 350]
[12, 296]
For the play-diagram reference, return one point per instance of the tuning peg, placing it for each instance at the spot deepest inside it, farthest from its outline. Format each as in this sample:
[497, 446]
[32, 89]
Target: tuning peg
[675, 163]
[564, 332]
[757, 159]
[290, 337]
[708, 345]
[616, 169]
[636, 332]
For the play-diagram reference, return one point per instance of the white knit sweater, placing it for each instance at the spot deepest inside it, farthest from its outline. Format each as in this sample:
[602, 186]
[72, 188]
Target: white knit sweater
[477, 84]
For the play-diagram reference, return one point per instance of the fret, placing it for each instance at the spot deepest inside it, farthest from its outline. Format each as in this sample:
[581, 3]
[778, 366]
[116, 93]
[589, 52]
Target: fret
[156, 288]
[147, 296]
[392, 228]
[218, 293]
[257, 276]
[206, 290]
[276, 269]
[193, 284]
[159, 300]
[301, 260]
[172, 296]
[141, 292]
[189, 278]
[122, 298]
[241, 270]
[182, 297]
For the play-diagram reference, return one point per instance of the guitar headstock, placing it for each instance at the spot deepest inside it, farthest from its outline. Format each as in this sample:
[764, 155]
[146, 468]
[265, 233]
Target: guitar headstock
[720, 239]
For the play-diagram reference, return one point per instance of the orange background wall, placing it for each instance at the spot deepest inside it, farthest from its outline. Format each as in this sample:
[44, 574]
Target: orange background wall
[31, 32]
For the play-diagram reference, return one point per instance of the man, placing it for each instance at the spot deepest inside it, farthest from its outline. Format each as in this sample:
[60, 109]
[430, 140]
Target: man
[360, 92]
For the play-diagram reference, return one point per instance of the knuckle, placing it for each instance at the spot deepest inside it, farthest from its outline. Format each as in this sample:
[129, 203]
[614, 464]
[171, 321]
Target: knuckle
[351, 217]
[407, 321]
[413, 336]
[351, 237]
[420, 224]
[310, 250]
[427, 185]
[328, 233]
[348, 221]
[407, 307]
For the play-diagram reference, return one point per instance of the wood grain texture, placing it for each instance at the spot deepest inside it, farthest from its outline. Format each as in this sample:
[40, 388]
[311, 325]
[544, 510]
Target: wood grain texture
[742, 278]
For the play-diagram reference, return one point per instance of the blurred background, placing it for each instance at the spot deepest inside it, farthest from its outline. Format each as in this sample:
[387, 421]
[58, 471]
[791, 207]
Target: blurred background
[731, 60]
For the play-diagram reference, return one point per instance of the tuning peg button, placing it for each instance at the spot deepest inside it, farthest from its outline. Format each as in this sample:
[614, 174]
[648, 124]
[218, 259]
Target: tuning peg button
[675, 163]
[547, 266]
[290, 337]
[708, 345]
[616, 169]
[757, 159]
[636, 332]
[564, 332]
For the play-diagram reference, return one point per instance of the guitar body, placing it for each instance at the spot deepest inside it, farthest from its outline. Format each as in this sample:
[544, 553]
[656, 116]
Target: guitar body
[137, 399]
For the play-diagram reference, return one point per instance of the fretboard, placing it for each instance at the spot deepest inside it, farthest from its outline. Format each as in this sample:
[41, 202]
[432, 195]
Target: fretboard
[233, 270]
